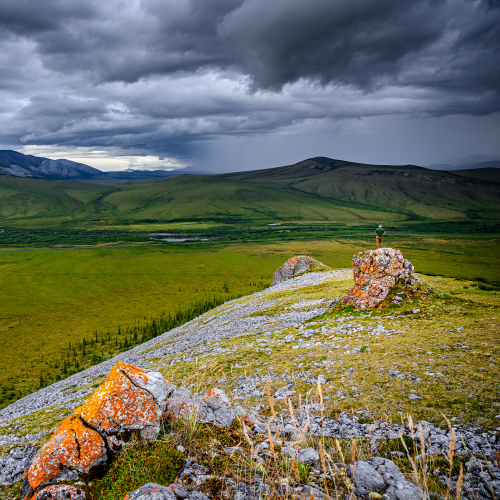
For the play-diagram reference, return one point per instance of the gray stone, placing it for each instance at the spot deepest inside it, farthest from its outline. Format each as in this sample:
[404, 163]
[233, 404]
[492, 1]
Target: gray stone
[152, 491]
[196, 472]
[399, 487]
[365, 476]
[309, 456]
[215, 408]
[13, 465]
[256, 490]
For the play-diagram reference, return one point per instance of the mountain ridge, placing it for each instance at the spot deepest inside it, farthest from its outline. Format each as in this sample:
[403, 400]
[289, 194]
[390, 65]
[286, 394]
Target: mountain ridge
[17, 164]
[314, 189]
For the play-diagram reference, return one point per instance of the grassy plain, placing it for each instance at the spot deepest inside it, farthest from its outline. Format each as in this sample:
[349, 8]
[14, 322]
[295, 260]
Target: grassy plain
[55, 297]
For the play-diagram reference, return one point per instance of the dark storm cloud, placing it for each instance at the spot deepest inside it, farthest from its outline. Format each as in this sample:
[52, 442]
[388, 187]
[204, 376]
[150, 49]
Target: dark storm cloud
[440, 43]
[156, 75]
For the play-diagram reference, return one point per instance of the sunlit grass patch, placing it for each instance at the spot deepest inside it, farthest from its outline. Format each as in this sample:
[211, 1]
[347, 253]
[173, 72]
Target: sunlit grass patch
[137, 464]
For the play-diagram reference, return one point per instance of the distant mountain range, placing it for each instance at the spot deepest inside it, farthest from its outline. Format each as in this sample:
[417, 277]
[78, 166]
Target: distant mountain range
[317, 189]
[28, 166]
[469, 162]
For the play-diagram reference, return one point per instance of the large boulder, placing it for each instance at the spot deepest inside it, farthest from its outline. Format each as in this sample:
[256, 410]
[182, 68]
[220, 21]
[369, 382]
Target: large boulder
[297, 265]
[130, 399]
[73, 449]
[375, 273]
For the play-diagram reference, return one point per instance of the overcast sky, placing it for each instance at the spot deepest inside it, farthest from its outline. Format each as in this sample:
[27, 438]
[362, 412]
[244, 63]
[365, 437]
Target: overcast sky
[229, 85]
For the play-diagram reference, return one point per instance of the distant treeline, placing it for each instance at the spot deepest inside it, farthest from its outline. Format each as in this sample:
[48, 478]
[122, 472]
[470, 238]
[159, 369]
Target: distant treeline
[103, 345]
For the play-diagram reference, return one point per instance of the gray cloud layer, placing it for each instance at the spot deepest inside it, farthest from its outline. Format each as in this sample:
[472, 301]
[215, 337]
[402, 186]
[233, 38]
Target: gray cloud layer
[159, 76]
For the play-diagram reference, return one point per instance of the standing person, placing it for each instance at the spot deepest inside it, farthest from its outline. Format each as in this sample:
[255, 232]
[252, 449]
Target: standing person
[379, 232]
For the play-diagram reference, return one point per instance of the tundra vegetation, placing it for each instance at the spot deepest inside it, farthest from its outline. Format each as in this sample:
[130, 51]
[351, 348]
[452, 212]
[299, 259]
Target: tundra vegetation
[70, 309]
[446, 356]
[88, 271]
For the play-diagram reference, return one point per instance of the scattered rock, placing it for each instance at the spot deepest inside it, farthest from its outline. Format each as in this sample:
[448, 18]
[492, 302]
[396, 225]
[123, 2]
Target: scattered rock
[13, 465]
[151, 491]
[414, 397]
[309, 456]
[63, 492]
[297, 265]
[195, 472]
[255, 490]
[375, 273]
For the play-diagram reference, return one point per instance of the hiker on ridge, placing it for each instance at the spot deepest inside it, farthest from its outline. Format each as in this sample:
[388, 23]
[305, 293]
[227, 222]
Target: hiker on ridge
[379, 232]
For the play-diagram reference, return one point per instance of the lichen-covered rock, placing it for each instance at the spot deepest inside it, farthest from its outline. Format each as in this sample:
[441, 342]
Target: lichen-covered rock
[295, 266]
[74, 448]
[129, 399]
[215, 408]
[375, 273]
[63, 492]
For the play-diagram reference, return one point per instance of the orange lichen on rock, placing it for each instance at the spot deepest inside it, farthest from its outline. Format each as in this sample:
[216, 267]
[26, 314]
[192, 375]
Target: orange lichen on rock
[120, 405]
[375, 273]
[73, 446]
[180, 409]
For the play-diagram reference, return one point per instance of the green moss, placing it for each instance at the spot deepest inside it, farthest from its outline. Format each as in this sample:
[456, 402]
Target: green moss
[136, 465]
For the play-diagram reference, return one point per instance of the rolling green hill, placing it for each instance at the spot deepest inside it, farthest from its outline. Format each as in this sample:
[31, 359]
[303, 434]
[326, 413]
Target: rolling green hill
[318, 189]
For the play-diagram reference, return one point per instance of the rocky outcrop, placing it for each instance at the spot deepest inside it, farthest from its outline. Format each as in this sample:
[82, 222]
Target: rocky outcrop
[297, 265]
[375, 273]
[130, 399]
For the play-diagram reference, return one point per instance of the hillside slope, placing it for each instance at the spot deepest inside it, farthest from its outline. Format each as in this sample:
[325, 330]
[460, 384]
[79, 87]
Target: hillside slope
[19, 165]
[425, 362]
[411, 190]
[319, 189]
